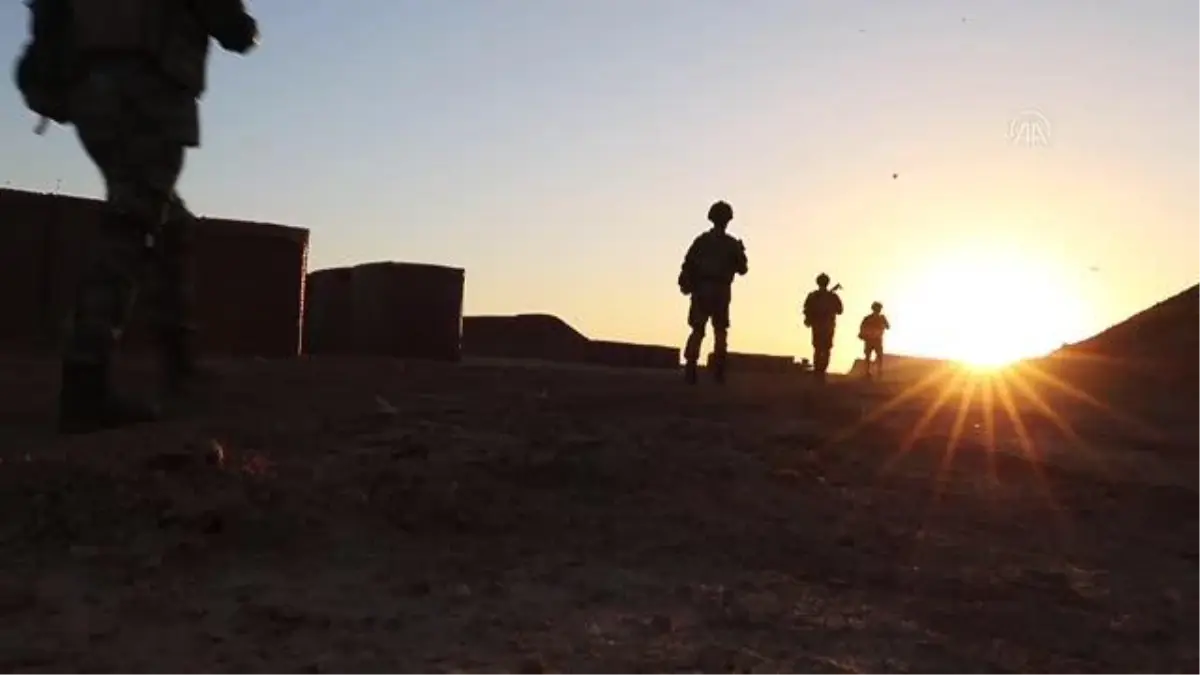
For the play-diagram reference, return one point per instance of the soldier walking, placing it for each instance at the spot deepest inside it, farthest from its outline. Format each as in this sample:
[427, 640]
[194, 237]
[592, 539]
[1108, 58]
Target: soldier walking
[822, 307]
[871, 331]
[712, 261]
[128, 75]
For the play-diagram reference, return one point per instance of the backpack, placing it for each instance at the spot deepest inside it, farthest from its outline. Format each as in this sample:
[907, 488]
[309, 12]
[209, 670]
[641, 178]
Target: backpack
[45, 69]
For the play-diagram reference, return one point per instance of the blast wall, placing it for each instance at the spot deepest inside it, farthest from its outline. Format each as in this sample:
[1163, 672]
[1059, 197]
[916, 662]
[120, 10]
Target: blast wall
[386, 309]
[249, 278]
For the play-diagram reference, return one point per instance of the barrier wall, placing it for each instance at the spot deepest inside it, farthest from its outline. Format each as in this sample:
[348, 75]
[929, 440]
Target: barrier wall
[628, 355]
[328, 314]
[757, 363]
[393, 309]
[412, 311]
[249, 278]
[523, 336]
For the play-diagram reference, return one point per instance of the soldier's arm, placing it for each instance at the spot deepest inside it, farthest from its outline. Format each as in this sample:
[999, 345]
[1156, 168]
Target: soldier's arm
[837, 305]
[886, 324]
[228, 22]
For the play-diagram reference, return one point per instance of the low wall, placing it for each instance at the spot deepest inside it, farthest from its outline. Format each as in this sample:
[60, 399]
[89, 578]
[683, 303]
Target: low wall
[387, 309]
[249, 278]
[629, 355]
[523, 336]
[757, 363]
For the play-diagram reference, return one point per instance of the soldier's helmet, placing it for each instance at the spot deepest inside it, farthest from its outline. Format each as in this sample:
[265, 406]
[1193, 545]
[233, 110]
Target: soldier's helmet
[822, 280]
[720, 213]
[876, 306]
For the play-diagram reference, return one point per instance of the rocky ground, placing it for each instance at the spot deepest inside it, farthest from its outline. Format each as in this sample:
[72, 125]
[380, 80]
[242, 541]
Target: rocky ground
[375, 515]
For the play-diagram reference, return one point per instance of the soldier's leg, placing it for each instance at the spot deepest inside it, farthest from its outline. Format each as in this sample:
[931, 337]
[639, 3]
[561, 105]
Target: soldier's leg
[822, 345]
[720, 322]
[173, 298]
[140, 169]
[697, 320]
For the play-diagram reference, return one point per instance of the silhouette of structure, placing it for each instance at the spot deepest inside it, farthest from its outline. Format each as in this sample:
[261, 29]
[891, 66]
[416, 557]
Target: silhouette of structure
[900, 368]
[631, 355]
[249, 278]
[386, 309]
[742, 362]
[543, 337]
[524, 336]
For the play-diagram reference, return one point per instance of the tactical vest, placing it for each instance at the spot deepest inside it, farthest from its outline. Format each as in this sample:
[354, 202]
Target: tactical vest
[167, 32]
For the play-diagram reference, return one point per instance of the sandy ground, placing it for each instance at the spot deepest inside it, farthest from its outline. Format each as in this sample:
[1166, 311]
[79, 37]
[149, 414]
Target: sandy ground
[343, 515]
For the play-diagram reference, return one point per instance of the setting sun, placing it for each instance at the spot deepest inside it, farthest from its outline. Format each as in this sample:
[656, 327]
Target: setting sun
[987, 307]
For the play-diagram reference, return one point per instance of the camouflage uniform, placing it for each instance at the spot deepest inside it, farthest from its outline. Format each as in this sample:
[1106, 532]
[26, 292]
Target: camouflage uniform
[135, 126]
[821, 309]
[709, 267]
[135, 111]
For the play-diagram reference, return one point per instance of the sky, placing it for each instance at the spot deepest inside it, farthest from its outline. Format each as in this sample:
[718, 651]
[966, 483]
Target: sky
[961, 162]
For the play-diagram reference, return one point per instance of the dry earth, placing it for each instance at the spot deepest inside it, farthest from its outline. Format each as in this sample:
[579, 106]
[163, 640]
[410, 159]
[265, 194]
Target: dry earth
[359, 515]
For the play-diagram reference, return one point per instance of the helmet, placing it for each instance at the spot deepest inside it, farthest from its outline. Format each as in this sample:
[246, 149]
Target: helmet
[876, 306]
[720, 212]
[822, 280]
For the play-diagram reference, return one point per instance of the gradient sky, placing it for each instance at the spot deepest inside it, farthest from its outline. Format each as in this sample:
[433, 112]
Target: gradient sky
[565, 152]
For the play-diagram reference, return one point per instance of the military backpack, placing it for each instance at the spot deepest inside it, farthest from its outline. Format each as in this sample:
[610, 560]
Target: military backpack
[46, 67]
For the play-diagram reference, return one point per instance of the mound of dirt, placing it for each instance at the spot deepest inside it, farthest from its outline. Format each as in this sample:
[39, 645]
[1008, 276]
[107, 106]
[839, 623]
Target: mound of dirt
[374, 515]
[1146, 367]
[1165, 337]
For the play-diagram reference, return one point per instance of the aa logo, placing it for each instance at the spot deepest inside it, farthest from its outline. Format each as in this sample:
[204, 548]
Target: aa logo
[1030, 128]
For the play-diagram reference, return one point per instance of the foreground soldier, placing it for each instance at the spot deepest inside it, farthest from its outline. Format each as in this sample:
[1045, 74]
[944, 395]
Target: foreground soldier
[136, 71]
[711, 263]
[871, 331]
[821, 310]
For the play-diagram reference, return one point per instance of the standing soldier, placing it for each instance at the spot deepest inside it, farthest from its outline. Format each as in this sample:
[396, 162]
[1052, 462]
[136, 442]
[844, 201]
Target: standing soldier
[128, 75]
[871, 331]
[821, 310]
[712, 261]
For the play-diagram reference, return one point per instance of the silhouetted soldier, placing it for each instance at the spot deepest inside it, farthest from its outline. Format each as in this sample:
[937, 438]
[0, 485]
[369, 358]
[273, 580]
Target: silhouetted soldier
[137, 70]
[711, 263]
[821, 310]
[871, 331]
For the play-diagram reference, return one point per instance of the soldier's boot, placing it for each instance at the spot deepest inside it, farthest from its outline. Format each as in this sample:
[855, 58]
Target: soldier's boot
[87, 402]
[690, 372]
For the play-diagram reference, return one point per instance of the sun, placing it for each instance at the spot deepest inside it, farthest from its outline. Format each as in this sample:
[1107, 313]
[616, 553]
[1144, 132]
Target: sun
[985, 307]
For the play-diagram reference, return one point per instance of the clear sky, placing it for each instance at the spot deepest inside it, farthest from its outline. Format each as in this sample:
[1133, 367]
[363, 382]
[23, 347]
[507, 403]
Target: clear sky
[565, 152]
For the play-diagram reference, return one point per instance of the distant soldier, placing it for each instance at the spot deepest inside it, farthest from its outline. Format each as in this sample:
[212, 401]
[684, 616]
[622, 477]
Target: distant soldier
[871, 331]
[821, 310]
[128, 75]
[711, 263]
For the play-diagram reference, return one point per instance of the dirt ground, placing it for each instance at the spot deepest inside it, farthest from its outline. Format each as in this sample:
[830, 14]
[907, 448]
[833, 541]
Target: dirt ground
[375, 515]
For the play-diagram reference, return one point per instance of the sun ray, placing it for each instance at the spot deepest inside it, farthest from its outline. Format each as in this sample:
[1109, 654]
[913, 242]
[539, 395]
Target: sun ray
[989, 427]
[965, 400]
[1029, 449]
[949, 386]
[1083, 448]
[1058, 384]
[908, 394]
